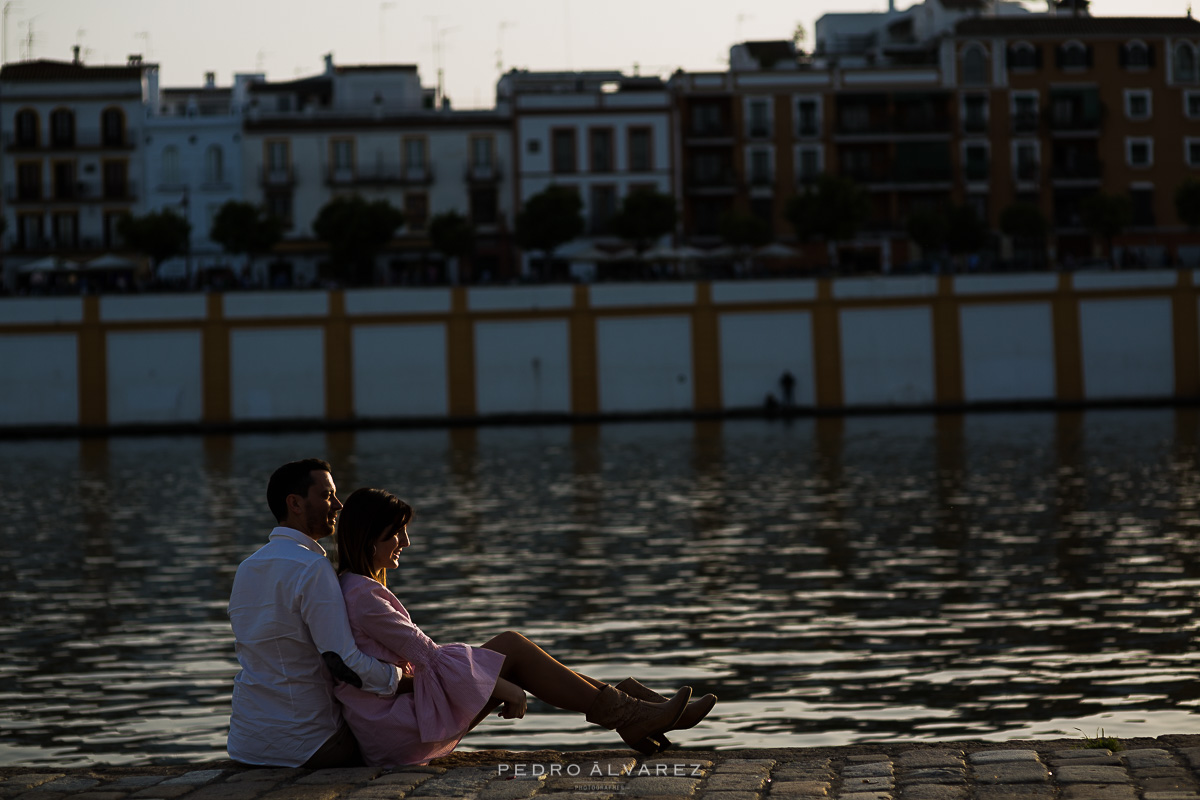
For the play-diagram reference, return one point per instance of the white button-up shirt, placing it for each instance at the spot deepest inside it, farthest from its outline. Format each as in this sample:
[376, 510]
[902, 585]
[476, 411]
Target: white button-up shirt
[286, 609]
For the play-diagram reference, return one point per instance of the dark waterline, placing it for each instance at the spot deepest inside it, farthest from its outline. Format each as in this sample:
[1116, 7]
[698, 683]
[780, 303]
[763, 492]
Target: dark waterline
[834, 580]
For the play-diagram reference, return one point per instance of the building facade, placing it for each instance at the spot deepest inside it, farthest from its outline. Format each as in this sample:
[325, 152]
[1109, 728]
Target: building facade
[71, 164]
[602, 134]
[192, 154]
[373, 131]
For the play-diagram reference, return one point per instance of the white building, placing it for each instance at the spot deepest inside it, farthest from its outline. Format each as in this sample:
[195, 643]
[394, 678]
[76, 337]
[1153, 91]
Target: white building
[604, 134]
[374, 131]
[70, 166]
[897, 37]
[193, 165]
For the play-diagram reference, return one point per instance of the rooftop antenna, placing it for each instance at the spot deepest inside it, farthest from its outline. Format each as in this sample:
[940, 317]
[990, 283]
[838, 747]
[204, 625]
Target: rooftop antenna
[500, 44]
[145, 37]
[441, 61]
[740, 19]
[4, 30]
[29, 39]
[259, 58]
[382, 8]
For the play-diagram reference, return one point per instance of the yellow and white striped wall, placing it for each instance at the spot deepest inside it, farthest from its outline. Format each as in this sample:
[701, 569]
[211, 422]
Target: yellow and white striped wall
[440, 353]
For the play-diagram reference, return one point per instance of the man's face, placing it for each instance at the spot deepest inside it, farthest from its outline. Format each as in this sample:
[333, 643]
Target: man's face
[321, 506]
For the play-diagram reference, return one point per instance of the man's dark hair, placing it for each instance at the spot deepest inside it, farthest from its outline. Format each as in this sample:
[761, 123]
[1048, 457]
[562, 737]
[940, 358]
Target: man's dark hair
[292, 478]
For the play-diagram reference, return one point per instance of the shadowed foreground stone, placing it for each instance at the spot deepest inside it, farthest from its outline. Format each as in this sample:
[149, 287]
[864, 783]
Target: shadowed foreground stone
[1167, 768]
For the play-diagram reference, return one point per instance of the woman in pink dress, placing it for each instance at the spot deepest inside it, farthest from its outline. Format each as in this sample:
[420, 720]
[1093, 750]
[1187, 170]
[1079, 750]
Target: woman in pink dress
[454, 686]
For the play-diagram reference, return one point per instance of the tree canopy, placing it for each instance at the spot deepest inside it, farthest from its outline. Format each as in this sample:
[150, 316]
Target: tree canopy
[743, 229]
[550, 219]
[159, 234]
[1106, 215]
[1187, 202]
[645, 216]
[833, 209]
[929, 228]
[1023, 221]
[966, 232]
[356, 230]
[245, 229]
[452, 235]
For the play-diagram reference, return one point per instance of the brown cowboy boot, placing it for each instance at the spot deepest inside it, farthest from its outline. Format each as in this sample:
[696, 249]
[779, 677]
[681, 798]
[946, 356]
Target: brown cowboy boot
[637, 722]
[696, 710]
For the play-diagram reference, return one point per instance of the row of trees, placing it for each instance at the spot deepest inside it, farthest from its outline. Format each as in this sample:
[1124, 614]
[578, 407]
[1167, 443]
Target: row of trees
[833, 210]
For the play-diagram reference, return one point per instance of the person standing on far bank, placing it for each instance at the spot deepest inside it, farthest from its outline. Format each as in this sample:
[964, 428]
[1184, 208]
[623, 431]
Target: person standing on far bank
[291, 631]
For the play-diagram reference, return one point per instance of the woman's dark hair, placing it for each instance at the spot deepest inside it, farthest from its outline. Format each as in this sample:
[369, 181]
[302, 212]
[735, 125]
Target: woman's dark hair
[292, 478]
[364, 518]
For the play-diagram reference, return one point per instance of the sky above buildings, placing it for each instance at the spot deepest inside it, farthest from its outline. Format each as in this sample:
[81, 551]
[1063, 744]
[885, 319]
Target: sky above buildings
[467, 38]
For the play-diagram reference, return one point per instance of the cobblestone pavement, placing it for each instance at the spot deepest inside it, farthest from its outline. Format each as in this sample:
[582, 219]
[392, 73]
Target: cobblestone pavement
[1167, 768]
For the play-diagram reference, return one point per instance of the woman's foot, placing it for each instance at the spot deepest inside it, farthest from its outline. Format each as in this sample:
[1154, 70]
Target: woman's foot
[638, 722]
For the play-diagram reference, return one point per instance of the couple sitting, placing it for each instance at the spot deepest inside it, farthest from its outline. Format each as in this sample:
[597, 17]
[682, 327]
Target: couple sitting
[335, 672]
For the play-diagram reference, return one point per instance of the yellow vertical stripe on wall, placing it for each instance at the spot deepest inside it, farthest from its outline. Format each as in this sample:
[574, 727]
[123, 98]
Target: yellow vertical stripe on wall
[827, 348]
[339, 360]
[585, 385]
[947, 345]
[1068, 346]
[460, 356]
[706, 351]
[93, 366]
[217, 401]
[1187, 337]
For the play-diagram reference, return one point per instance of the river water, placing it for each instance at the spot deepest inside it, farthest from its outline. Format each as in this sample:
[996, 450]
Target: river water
[991, 576]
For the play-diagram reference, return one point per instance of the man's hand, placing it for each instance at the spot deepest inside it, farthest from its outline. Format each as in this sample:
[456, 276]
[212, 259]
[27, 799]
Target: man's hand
[338, 669]
[512, 696]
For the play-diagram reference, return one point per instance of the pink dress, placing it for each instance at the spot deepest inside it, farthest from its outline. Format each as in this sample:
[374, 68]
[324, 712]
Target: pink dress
[452, 682]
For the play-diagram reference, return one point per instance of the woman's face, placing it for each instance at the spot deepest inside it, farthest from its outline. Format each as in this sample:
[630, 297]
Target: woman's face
[387, 549]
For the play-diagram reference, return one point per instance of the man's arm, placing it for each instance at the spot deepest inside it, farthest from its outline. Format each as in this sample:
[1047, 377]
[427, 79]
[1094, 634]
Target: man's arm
[324, 612]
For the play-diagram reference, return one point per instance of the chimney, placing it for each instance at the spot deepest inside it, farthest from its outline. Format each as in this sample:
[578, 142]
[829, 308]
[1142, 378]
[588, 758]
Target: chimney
[210, 80]
[329, 63]
[75, 49]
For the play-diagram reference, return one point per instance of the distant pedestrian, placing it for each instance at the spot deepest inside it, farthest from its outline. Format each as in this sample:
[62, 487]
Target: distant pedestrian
[787, 384]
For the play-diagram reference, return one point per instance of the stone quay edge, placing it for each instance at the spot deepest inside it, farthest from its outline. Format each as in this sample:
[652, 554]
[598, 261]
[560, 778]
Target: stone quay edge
[1163, 768]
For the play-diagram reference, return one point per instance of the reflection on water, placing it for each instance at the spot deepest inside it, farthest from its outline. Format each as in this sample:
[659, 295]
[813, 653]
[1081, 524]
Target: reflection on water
[833, 580]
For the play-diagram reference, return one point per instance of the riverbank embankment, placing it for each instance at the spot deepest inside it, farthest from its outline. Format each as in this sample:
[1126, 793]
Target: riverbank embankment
[1166, 768]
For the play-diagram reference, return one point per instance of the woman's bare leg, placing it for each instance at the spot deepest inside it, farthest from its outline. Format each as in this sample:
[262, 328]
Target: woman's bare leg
[540, 674]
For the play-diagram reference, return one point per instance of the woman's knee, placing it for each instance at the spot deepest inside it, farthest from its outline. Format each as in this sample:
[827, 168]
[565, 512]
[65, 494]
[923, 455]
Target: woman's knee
[508, 642]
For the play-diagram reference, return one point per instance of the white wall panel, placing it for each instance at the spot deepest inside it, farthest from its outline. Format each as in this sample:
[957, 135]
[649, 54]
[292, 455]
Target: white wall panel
[127, 308]
[242, 305]
[522, 367]
[520, 298]
[277, 373]
[397, 301]
[24, 310]
[1008, 352]
[887, 356]
[1004, 284]
[400, 370]
[644, 363]
[895, 286]
[39, 379]
[755, 351]
[611, 295]
[1140, 279]
[763, 291]
[154, 376]
[1128, 348]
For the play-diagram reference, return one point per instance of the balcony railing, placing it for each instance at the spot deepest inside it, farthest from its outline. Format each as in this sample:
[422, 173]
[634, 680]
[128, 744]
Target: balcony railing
[127, 140]
[1028, 171]
[277, 177]
[974, 124]
[482, 173]
[709, 130]
[977, 172]
[759, 130]
[1090, 169]
[913, 173]
[809, 128]
[1076, 120]
[1025, 122]
[123, 191]
[760, 179]
[719, 179]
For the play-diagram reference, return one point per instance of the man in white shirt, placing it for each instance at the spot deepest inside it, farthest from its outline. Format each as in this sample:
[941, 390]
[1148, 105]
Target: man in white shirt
[289, 621]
